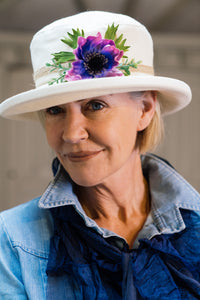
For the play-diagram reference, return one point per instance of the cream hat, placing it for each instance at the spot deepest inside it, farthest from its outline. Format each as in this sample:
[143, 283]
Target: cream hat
[92, 54]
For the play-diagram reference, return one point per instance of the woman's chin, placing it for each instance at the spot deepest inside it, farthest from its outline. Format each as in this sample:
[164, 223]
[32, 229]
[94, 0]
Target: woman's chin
[85, 182]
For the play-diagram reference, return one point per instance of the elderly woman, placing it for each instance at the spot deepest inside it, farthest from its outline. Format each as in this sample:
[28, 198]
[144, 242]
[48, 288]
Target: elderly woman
[115, 222]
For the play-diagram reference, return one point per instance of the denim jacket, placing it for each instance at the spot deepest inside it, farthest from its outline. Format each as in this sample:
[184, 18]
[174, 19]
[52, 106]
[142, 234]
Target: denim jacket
[25, 230]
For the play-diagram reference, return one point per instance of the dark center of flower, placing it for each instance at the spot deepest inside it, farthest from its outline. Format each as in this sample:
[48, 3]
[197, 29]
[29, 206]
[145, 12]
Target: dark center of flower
[95, 63]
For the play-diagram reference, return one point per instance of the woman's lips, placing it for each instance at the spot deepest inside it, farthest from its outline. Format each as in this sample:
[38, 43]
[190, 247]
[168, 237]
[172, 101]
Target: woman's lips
[82, 155]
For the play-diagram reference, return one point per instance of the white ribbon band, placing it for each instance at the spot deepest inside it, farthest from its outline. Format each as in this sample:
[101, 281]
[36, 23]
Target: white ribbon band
[44, 71]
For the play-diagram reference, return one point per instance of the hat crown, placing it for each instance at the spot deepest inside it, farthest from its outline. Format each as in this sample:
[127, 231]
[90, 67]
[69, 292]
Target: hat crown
[48, 40]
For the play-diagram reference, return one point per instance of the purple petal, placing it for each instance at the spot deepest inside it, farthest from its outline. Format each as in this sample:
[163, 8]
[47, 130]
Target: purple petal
[78, 69]
[72, 77]
[112, 50]
[113, 55]
[106, 42]
[92, 43]
[78, 51]
[114, 72]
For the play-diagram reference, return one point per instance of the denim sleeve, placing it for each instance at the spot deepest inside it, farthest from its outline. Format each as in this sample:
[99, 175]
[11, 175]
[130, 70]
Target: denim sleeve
[11, 284]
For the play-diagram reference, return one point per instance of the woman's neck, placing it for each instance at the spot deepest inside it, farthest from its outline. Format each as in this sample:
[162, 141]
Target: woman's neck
[121, 202]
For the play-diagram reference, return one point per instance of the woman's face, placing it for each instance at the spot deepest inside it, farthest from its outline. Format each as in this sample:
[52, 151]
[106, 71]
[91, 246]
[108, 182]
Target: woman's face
[94, 138]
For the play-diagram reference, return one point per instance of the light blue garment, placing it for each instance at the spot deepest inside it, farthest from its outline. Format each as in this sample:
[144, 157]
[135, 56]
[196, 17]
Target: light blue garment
[25, 231]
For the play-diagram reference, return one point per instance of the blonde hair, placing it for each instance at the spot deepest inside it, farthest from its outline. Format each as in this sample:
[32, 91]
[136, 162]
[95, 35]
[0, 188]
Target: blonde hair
[149, 138]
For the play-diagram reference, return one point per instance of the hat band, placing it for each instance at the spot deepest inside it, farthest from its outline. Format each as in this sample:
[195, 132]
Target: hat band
[45, 71]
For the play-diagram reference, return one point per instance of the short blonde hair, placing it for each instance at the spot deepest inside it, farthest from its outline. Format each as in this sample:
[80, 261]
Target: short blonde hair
[149, 138]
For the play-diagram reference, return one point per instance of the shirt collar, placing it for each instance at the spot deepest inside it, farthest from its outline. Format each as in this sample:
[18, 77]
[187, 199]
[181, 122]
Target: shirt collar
[60, 193]
[168, 191]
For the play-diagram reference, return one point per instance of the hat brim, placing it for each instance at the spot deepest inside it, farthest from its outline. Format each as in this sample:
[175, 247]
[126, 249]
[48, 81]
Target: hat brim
[173, 94]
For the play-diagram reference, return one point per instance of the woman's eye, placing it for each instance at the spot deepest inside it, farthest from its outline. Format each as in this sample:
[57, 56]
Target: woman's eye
[53, 111]
[95, 105]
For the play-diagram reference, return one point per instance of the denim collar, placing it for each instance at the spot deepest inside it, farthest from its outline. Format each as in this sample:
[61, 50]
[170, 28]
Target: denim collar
[169, 193]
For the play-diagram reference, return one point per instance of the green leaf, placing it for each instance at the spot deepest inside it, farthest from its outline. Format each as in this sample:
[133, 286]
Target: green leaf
[63, 57]
[62, 70]
[73, 38]
[111, 31]
[126, 65]
[119, 39]
[57, 80]
[125, 69]
[121, 46]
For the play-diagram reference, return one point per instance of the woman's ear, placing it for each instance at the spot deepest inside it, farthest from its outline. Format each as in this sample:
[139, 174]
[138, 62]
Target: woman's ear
[148, 106]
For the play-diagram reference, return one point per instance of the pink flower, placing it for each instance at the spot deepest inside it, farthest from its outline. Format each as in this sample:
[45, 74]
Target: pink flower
[95, 57]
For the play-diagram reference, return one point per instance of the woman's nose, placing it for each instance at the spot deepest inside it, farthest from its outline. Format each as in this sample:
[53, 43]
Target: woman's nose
[74, 130]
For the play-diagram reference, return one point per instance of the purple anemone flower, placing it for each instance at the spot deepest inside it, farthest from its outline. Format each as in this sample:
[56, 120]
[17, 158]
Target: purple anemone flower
[95, 57]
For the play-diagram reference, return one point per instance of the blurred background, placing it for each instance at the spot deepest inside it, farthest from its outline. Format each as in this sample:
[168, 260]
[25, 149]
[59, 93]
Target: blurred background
[25, 158]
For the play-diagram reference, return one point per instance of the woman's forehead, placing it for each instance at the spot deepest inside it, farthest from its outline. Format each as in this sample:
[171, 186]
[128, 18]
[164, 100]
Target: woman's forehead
[107, 97]
[119, 99]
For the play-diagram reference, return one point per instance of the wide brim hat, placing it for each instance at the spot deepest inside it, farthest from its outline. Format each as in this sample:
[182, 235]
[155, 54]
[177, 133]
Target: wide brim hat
[88, 55]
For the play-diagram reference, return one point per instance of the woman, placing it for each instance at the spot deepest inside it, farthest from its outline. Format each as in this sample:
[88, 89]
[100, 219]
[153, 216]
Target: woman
[114, 223]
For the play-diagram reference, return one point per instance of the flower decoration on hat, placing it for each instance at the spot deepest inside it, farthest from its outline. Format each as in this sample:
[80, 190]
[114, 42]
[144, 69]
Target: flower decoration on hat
[92, 57]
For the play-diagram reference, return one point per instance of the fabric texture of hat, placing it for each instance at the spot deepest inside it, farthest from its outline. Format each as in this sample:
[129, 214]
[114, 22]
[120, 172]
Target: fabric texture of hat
[92, 54]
